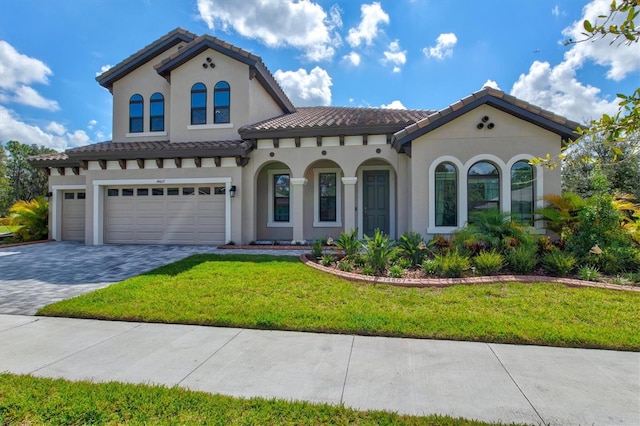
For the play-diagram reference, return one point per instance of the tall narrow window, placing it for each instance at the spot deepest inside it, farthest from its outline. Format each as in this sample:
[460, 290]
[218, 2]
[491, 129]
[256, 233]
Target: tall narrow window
[483, 187]
[221, 102]
[136, 113]
[281, 192]
[522, 193]
[446, 195]
[199, 104]
[328, 196]
[157, 112]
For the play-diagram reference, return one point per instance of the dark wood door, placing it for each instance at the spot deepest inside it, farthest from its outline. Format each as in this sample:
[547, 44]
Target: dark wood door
[375, 200]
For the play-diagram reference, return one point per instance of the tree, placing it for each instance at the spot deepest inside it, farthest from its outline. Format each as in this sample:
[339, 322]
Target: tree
[5, 189]
[25, 182]
[590, 156]
[624, 126]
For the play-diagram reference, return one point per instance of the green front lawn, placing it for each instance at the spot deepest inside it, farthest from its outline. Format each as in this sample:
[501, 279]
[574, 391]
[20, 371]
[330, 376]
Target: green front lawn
[26, 400]
[272, 292]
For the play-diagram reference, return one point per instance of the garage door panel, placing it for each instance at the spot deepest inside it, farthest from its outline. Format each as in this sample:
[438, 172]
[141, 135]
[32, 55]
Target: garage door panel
[73, 216]
[165, 219]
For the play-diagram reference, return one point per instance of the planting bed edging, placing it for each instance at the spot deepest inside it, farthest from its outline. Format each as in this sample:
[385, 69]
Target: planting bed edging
[447, 282]
[25, 243]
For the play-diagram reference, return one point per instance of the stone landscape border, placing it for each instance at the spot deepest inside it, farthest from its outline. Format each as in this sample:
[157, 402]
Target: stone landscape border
[447, 282]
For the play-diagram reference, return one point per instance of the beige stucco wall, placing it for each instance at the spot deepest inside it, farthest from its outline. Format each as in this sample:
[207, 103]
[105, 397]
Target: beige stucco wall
[144, 81]
[510, 140]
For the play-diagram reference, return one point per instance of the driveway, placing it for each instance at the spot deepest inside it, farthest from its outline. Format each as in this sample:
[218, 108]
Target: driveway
[33, 276]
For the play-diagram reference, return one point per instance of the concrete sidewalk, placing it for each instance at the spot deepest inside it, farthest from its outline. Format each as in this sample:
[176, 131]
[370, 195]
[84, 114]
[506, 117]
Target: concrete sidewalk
[482, 381]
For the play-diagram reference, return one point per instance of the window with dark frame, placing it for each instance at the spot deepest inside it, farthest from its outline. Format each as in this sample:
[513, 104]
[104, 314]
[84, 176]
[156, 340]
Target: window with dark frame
[81, 195]
[483, 188]
[281, 197]
[127, 192]
[199, 104]
[328, 199]
[157, 191]
[446, 195]
[188, 191]
[136, 113]
[222, 103]
[173, 191]
[157, 113]
[69, 196]
[142, 192]
[113, 192]
[522, 193]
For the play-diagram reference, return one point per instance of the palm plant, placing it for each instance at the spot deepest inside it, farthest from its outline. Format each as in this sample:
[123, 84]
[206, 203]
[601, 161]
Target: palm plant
[412, 248]
[378, 251]
[561, 213]
[32, 217]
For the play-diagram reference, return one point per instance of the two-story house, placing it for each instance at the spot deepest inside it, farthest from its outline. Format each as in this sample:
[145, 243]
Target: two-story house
[207, 149]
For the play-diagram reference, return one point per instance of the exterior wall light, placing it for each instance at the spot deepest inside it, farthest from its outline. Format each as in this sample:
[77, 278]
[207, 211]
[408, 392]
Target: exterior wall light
[232, 191]
[48, 196]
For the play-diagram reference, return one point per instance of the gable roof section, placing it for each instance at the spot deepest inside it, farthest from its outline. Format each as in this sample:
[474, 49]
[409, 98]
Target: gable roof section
[257, 68]
[496, 98]
[333, 121]
[144, 55]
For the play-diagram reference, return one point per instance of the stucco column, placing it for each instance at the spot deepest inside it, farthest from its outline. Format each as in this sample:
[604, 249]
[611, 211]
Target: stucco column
[349, 203]
[297, 195]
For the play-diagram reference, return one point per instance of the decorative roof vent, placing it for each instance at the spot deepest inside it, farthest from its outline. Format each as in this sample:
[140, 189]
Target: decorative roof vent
[484, 120]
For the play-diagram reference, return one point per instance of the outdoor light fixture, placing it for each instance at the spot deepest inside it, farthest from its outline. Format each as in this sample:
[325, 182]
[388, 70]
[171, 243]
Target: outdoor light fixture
[232, 191]
[48, 196]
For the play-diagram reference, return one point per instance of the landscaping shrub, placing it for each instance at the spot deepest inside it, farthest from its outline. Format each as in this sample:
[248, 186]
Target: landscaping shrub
[614, 260]
[589, 273]
[430, 266]
[349, 243]
[452, 265]
[327, 260]
[32, 217]
[439, 244]
[396, 271]
[316, 249]
[345, 265]
[488, 262]
[412, 247]
[558, 263]
[522, 260]
[405, 263]
[379, 250]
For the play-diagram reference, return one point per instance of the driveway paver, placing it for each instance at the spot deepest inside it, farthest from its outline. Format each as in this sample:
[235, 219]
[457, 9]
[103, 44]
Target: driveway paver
[33, 276]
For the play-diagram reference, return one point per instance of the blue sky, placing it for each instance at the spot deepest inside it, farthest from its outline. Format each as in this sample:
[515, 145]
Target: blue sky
[422, 54]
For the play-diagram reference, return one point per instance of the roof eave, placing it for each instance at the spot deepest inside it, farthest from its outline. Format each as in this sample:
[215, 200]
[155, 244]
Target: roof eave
[322, 131]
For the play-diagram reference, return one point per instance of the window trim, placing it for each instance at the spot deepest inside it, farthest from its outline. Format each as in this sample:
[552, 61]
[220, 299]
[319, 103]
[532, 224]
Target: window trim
[152, 101]
[270, 193]
[501, 183]
[140, 117]
[317, 223]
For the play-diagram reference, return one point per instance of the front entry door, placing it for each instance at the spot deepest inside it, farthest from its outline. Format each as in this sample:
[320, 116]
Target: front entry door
[375, 200]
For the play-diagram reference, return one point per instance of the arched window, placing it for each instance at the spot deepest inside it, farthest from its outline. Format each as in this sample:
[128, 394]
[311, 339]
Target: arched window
[199, 104]
[483, 187]
[136, 113]
[446, 195]
[157, 112]
[221, 102]
[522, 193]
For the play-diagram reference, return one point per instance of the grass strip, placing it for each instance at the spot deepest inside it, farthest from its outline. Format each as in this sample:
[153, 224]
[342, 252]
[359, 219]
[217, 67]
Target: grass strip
[28, 400]
[274, 292]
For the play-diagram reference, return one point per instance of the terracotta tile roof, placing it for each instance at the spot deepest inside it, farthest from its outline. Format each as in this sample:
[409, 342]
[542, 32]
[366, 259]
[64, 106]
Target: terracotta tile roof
[325, 121]
[135, 150]
[496, 98]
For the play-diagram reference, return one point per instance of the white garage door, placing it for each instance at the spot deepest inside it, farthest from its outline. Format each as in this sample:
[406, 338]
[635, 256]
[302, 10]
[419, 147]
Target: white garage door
[187, 214]
[73, 215]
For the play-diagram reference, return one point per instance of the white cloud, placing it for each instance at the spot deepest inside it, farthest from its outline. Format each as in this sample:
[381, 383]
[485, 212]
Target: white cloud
[56, 128]
[558, 90]
[17, 69]
[443, 48]
[394, 105]
[492, 84]
[53, 136]
[395, 56]
[104, 69]
[621, 60]
[352, 57]
[372, 16]
[28, 96]
[300, 24]
[91, 124]
[306, 89]
[555, 11]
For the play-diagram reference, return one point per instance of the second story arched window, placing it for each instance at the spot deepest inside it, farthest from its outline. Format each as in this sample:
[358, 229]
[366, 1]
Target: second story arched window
[136, 114]
[221, 102]
[199, 104]
[157, 112]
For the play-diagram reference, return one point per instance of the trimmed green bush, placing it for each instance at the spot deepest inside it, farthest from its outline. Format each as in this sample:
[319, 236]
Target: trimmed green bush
[396, 271]
[349, 243]
[412, 247]
[522, 260]
[488, 262]
[589, 273]
[430, 266]
[452, 265]
[558, 263]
